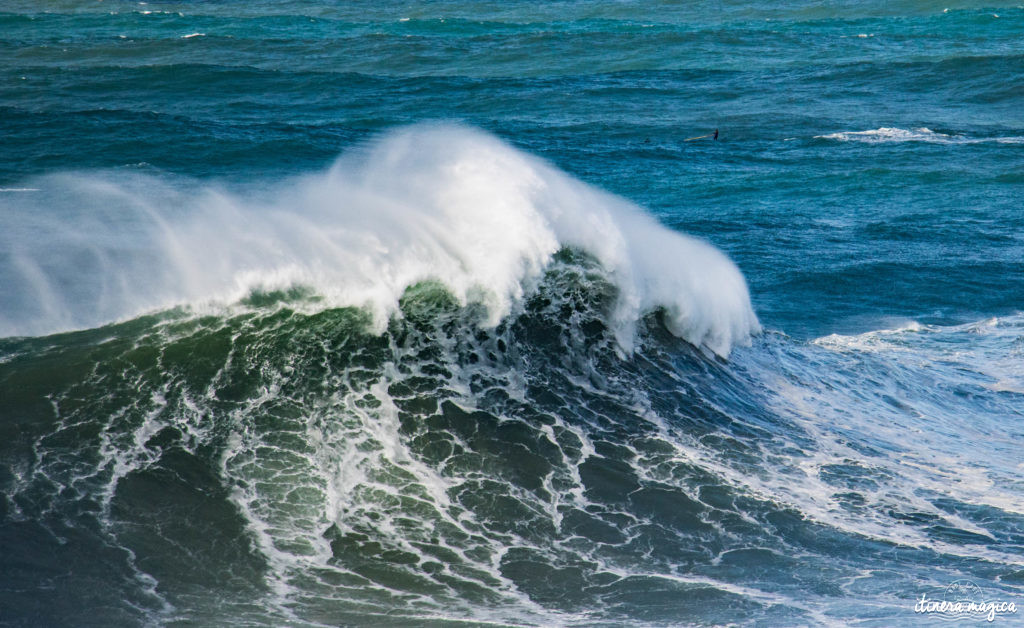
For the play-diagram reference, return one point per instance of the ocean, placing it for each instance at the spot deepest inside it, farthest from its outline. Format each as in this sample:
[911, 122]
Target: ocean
[454, 313]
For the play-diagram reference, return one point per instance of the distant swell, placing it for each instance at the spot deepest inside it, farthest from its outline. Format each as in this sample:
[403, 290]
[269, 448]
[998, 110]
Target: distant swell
[429, 203]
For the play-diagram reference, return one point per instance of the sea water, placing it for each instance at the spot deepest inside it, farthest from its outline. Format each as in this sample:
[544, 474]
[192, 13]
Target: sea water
[321, 314]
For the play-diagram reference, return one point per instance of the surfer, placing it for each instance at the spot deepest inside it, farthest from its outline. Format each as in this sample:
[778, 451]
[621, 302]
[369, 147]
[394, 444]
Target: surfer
[713, 136]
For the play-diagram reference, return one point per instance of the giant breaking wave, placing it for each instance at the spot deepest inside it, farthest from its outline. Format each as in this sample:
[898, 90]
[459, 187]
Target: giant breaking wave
[428, 203]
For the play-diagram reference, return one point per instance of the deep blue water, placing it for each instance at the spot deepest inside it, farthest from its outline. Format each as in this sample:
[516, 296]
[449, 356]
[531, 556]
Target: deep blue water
[328, 314]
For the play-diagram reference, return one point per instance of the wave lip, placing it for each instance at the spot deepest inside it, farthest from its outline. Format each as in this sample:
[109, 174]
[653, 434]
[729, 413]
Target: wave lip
[436, 202]
[884, 135]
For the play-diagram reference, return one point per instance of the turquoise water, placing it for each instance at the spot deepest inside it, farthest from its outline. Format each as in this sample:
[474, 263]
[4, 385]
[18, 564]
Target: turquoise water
[416, 314]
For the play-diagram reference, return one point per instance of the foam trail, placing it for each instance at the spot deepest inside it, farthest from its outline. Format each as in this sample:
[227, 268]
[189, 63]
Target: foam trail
[886, 135]
[430, 202]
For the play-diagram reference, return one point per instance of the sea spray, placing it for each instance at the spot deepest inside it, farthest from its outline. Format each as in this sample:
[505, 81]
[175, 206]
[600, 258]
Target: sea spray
[440, 202]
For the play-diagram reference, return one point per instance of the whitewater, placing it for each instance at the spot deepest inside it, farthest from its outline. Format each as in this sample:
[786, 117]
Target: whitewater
[437, 203]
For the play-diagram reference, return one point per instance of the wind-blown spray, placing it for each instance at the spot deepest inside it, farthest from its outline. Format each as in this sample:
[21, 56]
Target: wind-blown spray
[440, 203]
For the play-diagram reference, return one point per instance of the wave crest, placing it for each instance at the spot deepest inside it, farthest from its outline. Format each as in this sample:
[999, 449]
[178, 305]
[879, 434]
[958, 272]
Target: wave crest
[439, 203]
[892, 134]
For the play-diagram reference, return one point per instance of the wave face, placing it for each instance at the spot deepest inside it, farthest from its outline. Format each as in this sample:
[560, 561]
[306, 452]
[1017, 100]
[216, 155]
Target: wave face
[430, 203]
[275, 467]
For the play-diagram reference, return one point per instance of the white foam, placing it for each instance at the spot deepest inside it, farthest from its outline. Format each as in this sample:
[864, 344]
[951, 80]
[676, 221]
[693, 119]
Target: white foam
[917, 397]
[429, 202]
[984, 348]
[922, 134]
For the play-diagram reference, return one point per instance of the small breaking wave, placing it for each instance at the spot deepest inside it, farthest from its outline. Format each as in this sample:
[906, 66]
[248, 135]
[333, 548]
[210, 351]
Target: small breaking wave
[885, 135]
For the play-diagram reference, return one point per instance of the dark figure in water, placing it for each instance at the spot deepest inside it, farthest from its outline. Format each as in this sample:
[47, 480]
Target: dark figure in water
[700, 137]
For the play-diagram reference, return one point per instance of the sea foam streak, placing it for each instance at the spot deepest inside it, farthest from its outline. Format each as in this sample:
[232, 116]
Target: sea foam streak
[885, 135]
[427, 203]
